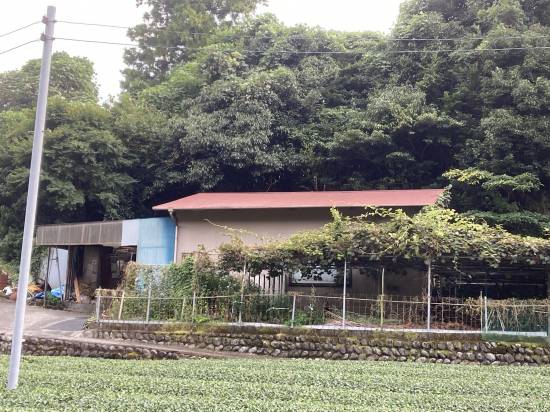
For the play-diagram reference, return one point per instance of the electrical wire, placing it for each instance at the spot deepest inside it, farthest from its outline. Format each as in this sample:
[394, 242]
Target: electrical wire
[312, 52]
[237, 36]
[19, 29]
[80, 23]
[18, 46]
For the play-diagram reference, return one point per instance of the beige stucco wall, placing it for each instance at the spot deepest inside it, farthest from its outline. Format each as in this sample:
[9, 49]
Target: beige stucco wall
[207, 227]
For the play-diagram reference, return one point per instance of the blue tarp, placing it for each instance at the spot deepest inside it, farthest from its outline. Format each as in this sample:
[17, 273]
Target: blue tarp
[55, 293]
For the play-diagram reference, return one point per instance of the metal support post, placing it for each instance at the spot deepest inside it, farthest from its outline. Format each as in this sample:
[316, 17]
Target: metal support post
[344, 293]
[121, 305]
[481, 310]
[548, 300]
[486, 315]
[293, 311]
[382, 298]
[148, 314]
[46, 278]
[429, 317]
[194, 307]
[242, 295]
[32, 199]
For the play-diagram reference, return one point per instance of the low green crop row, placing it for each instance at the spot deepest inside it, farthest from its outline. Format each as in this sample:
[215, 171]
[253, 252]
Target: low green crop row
[266, 385]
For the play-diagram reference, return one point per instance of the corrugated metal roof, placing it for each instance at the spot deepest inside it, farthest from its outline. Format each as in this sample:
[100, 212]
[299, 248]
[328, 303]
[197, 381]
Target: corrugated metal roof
[92, 233]
[285, 200]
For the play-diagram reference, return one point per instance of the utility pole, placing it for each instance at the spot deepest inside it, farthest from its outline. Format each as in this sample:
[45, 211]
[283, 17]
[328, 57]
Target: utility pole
[32, 199]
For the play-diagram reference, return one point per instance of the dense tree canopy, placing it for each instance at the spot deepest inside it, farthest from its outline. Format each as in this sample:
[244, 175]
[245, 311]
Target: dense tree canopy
[171, 33]
[219, 99]
[71, 77]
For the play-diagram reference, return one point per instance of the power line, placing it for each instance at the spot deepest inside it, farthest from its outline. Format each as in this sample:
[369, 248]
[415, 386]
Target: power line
[237, 36]
[80, 23]
[313, 52]
[19, 29]
[18, 46]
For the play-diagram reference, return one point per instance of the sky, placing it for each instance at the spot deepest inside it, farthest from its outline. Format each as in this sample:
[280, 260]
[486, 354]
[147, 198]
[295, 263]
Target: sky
[347, 15]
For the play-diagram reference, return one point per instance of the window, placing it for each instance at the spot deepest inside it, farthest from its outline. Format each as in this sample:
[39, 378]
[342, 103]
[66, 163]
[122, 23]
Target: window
[319, 276]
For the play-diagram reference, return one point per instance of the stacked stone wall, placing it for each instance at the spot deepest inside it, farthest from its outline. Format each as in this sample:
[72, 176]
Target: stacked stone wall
[344, 345]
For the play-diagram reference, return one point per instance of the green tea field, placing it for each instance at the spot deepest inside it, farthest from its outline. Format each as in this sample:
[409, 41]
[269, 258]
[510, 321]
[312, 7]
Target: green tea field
[75, 384]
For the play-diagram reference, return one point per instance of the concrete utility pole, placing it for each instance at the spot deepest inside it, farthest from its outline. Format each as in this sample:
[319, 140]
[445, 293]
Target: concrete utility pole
[32, 199]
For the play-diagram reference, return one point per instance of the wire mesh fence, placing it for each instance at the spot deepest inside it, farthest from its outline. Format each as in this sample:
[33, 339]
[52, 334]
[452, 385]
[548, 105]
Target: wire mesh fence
[295, 310]
[517, 316]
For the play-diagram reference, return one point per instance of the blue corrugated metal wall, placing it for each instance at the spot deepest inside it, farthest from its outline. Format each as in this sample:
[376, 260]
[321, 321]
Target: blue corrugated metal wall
[156, 241]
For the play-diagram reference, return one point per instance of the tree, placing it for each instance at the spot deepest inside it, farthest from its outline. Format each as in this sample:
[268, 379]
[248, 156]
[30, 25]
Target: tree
[83, 175]
[234, 132]
[71, 77]
[171, 33]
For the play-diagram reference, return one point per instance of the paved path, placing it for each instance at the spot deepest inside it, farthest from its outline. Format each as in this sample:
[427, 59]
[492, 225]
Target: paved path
[40, 321]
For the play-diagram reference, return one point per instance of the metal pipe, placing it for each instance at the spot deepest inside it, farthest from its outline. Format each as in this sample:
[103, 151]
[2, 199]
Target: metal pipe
[382, 298]
[344, 293]
[148, 304]
[46, 278]
[293, 311]
[98, 306]
[242, 295]
[194, 307]
[429, 317]
[486, 315]
[173, 217]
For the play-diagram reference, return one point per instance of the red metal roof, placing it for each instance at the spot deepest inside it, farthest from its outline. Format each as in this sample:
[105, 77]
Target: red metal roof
[285, 200]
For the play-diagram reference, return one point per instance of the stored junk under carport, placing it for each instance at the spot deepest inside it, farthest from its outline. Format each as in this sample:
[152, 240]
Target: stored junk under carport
[85, 256]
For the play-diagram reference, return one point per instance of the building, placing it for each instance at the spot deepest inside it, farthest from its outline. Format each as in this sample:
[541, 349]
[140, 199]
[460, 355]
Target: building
[209, 219]
[85, 256]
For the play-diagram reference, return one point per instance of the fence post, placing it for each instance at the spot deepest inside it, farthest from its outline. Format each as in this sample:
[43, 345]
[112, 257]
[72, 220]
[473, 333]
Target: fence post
[183, 307]
[429, 317]
[194, 306]
[148, 304]
[98, 306]
[242, 296]
[481, 310]
[293, 311]
[548, 301]
[486, 322]
[121, 305]
[344, 293]
[382, 299]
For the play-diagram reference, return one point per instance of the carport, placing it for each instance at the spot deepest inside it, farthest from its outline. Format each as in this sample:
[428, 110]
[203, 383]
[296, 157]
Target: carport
[85, 256]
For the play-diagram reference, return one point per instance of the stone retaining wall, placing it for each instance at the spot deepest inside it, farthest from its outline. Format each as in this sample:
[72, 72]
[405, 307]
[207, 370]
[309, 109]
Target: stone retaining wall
[375, 346]
[64, 347]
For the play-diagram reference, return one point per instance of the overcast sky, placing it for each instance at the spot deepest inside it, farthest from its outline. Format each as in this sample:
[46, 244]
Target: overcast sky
[351, 15]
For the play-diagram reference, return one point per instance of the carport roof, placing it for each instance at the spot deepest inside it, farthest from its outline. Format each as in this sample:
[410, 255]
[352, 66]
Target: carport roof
[290, 200]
